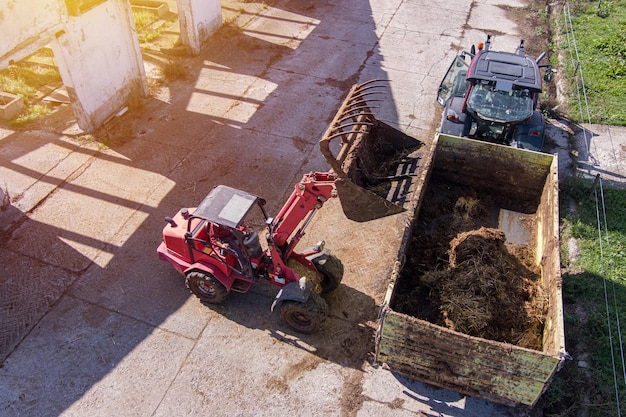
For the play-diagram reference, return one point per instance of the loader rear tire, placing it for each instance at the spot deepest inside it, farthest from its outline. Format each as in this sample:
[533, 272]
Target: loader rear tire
[305, 317]
[331, 269]
[206, 287]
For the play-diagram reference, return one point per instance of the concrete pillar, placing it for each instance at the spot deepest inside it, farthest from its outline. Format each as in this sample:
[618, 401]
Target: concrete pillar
[100, 62]
[26, 26]
[199, 19]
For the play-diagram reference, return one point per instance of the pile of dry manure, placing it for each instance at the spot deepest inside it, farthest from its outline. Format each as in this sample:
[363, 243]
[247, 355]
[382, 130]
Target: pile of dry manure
[488, 292]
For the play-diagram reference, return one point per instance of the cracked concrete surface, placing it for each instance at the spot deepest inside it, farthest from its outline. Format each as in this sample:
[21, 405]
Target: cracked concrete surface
[93, 323]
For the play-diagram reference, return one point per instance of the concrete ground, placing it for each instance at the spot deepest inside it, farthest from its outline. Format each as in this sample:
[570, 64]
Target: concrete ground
[93, 323]
[602, 151]
[589, 151]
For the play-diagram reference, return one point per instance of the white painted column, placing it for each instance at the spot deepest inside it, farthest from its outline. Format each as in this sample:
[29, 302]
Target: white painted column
[199, 19]
[100, 62]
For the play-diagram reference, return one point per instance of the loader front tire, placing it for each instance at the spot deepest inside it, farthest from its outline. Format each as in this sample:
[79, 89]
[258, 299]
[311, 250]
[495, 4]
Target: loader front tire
[305, 317]
[331, 269]
[206, 287]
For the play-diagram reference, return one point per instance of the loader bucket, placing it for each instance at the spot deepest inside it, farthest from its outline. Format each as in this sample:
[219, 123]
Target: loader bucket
[376, 164]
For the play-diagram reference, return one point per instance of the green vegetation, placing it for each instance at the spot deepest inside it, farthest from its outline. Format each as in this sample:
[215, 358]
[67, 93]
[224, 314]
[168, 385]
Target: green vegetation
[595, 268]
[143, 18]
[31, 114]
[14, 84]
[600, 32]
[25, 77]
[144, 24]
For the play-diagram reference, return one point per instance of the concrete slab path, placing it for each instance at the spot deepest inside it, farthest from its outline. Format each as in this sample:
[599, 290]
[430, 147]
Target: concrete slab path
[93, 323]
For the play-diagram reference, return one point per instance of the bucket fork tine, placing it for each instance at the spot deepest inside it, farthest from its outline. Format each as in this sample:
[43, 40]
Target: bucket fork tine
[362, 96]
[352, 116]
[369, 151]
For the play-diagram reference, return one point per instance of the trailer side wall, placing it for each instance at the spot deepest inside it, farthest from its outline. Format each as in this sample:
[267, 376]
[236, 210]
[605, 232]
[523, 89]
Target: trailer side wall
[496, 371]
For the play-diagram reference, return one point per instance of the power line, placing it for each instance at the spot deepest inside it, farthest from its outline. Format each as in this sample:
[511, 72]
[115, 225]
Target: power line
[606, 295]
[577, 69]
[599, 201]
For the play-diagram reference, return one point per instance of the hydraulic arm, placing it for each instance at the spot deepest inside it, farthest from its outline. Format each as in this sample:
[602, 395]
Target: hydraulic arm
[308, 196]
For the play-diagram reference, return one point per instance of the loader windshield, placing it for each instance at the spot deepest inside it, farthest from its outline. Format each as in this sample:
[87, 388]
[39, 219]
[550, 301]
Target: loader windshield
[500, 102]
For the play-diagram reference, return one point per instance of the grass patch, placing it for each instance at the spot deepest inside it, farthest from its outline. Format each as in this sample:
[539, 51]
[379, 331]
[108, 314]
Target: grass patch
[149, 35]
[143, 23]
[586, 326]
[600, 32]
[31, 114]
[13, 85]
[25, 77]
[143, 18]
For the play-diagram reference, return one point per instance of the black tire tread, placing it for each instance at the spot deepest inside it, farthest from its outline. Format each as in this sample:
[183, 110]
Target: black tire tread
[315, 308]
[332, 272]
[193, 280]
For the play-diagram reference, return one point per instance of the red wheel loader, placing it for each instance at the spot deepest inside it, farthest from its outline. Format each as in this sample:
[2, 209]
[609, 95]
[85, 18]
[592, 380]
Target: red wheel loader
[218, 252]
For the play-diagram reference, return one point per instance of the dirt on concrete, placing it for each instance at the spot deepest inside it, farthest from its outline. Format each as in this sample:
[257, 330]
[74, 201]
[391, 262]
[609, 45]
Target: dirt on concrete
[347, 336]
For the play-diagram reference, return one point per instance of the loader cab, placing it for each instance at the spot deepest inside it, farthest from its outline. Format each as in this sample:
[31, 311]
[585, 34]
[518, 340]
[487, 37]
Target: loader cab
[233, 211]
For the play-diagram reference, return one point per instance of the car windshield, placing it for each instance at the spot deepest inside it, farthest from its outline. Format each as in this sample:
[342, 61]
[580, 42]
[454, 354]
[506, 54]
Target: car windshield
[491, 103]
